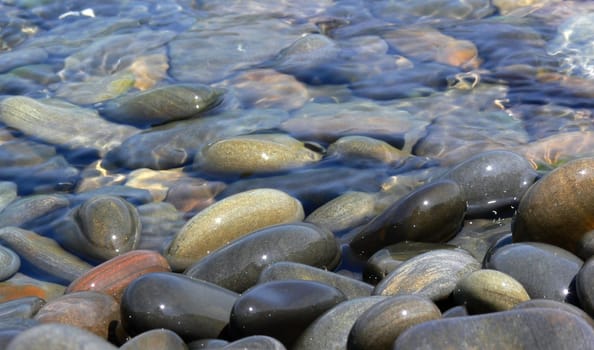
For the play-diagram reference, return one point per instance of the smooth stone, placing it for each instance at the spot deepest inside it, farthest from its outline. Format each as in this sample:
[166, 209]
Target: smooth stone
[237, 266]
[551, 278]
[22, 286]
[11, 327]
[156, 339]
[207, 344]
[431, 213]
[58, 336]
[456, 311]
[380, 325]
[364, 150]
[492, 180]
[255, 153]
[22, 57]
[331, 330]
[285, 270]
[96, 89]
[255, 342]
[387, 259]
[584, 284]
[558, 208]
[486, 291]
[57, 122]
[8, 193]
[514, 329]
[343, 212]
[9, 263]
[163, 104]
[229, 219]
[553, 304]
[101, 228]
[193, 309]
[281, 309]
[113, 276]
[24, 211]
[43, 253]
[433, 274]
[92, 311]
[553, 150]
[25, 307]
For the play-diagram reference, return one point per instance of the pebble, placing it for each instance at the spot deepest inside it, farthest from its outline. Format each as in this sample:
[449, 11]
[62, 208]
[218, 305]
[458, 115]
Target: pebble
[160, 222]
[24, 211]
[25, 307]
[481, 236]
[285, 270]
[208, 344]
[379, 326]
[192, 308]
[363, 150]
[255, 153]
[514, 329]
[92, 311]
[584, 283]
[486, 291]
[228, 220]
[558, 208]
[56, 336]
[237, 266]
[113, 276]
[551, 278]
[96, 89]
[331, 330]
[431, 213]
[281, 309]
[22, 286]
[9, 263]
[433, 274]
[255, 342]
[343, 212]
[43, 253]
[553, 304]
[8, 193]
[156, 339]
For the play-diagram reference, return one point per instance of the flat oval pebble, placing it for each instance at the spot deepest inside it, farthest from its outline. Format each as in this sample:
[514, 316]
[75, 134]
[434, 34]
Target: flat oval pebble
[514, 329]
[331, 330]
[113, 276]
[558, 209]
[366, 150]
[255, 342]
[9, 263]
[284, 270]
[101, 228]
[554, 304]
[156, 339]
[343, 212]
[485, 291]
[255, 153]
[584, 284]
[162, 104]
[24, 307]
[492, 180]
[56, 336]
[192, 308]
[44, 253]
[22, 286]
[551, 278]
[228, 220]
[237, 266]
[433, 274]
[281, 309]
[380, 325]
[93, 311]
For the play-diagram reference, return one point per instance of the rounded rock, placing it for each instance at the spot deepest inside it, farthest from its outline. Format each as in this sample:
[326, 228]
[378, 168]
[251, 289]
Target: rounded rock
[58, 336]
[255, 342]
[585, 286]
[25, 307]
[9, 263]
[554, 304]
[22, 286]
[343, 212]
[156, 339]
[366, 150]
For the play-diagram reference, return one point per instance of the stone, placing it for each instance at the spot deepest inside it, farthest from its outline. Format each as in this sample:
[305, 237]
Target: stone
[25, 307]
[584, 284]
[255, 342]
[343, 212]
[157, 339]
[58, 336]
[22, 286]
[9, 263]
[24, 212]
[363, 150]
[553, 304]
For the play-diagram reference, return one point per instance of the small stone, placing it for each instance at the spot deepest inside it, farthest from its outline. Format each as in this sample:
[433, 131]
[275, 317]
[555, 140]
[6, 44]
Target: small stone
[343, 212]
[255, 342]
[55, 336]
[156, 339]
[9, 263]
[554, 304]
[363, 150]
[25, 307]
[585, 286]
[24, 211]
[21, 286]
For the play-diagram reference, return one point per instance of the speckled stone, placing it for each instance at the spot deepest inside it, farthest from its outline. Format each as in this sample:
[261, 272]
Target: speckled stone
[544, 328]
[360, 150]
[192, 308]
[24, 307]
[331, 330]
[255, 153]
[554, 304]
[380, 325]
[585, 286]
[551, 278]
[21, 286]
[237, 266]
[343, 212]
[255, 342]
[558, 209]
[156, 339]
[283, 270]
[23, 211]
[92, 311]
[58, 336]
[492, 180]
[485, 291]
[433, 274]
[9, 263]
[228, 220]
[431, 213]
[281, 309]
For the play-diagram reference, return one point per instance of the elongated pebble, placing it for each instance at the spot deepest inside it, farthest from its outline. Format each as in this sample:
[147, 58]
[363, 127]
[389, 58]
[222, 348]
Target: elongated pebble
[9, 263]
[56, 336]
[343, 212]
[21, 286]
[27, 209]
[24, 307]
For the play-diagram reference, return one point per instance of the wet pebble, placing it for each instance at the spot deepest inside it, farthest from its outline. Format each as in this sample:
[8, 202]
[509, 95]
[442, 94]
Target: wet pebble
[156, 339]
[526, 329]
[343, 212]
[58, 336]
[92, 311]
[22, 286]
[585, 286]
[25, 307]
[362, 150]
[24, 211]
[9, 263]
[281, 309]
[486, 291]
[192, 308]
[553, 304]
[551, 278]
[285, 270]
[228, 220]
[237, 266]
[379, 326]
[8, 193]
[558, 208]
[433, 274]
[255, 342]
[431, 213]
